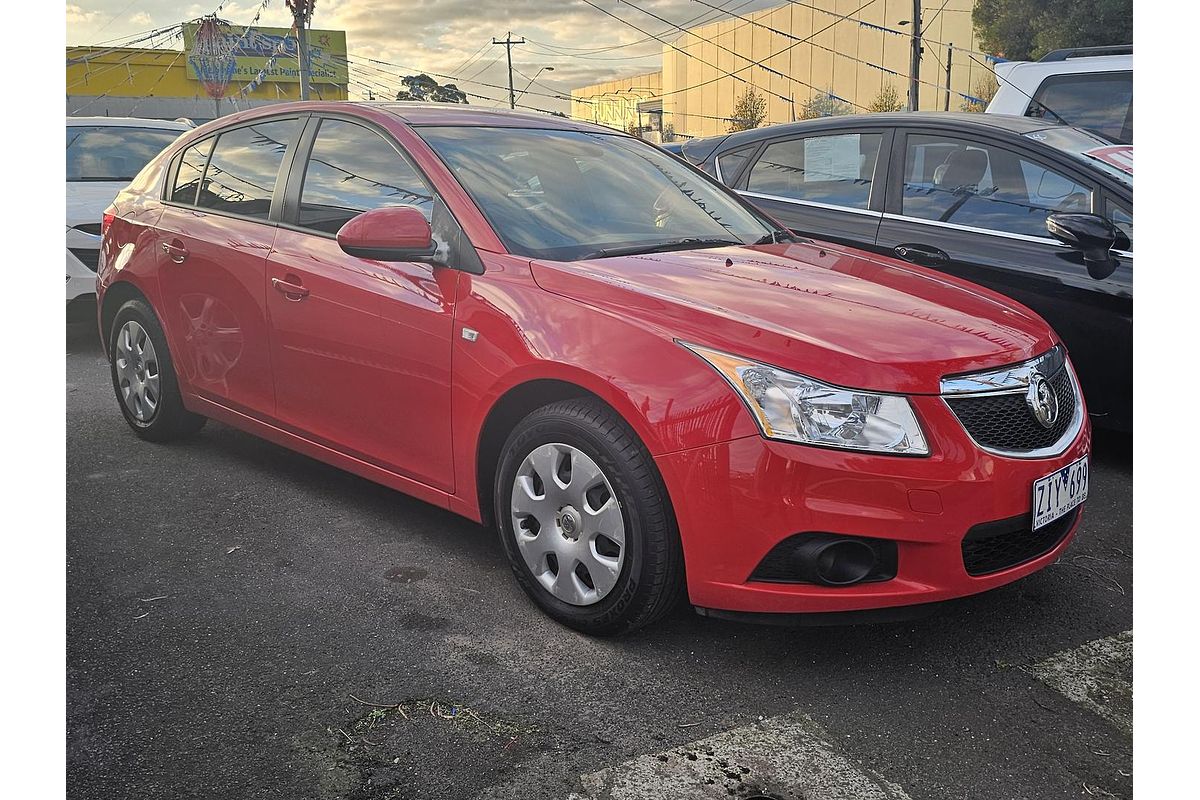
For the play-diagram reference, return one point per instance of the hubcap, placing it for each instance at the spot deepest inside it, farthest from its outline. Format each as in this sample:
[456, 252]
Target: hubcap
[137, 371]
[568, 524]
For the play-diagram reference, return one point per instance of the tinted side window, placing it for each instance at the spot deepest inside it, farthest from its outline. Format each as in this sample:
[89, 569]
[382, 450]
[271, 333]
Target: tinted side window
[834, 169]
[245, 163]
[1102, 102]
[1122, 217]
[191, 170]
[983, 186]
[353, 169]
[731, 163]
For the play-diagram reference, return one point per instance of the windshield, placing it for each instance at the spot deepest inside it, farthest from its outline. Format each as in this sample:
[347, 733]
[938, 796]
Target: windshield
[1115, 160]
[566, 195]
[112, 153]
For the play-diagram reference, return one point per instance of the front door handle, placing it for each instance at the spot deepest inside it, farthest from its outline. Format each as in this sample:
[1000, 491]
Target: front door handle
[175, 251]
[922, 254]
[290, 290]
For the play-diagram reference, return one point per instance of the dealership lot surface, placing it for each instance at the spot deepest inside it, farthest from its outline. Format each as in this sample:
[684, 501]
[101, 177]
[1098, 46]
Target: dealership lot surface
[244, 622]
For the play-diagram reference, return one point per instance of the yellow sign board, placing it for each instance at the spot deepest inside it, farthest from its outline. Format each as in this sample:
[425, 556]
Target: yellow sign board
[326, 50]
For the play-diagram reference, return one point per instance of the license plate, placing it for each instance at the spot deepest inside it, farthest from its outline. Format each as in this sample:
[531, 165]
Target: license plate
[1059, 492]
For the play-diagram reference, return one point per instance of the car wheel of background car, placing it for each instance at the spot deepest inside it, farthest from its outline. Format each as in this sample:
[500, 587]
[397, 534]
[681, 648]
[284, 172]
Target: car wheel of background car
[144, 377]
[584, 519]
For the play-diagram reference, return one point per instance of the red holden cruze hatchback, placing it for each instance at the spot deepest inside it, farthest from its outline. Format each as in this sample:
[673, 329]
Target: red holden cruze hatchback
[645, 384]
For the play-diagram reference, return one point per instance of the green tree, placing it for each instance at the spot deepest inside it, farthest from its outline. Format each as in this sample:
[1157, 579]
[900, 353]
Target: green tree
[888, 99]
[985, 89]
[1028, 29]
[749, 111]
[823, 105]
[425, 89]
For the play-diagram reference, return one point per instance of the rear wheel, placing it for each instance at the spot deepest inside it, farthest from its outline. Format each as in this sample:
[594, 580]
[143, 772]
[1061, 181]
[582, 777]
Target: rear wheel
[584, 519]
[143, 376]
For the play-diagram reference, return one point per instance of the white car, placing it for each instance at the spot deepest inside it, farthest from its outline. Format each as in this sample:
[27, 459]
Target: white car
[103, 155]
[1089, 87]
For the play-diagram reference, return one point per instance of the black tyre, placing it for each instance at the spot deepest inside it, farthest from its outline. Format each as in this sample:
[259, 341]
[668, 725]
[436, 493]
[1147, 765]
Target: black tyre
[585, 519]
[143, 376]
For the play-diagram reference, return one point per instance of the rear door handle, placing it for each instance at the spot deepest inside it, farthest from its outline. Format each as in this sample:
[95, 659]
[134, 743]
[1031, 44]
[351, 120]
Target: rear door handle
[292, 291]
[922, 254]
[175, 251]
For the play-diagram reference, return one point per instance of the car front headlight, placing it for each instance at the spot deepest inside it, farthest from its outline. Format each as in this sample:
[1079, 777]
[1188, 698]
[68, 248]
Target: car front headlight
[795, 408]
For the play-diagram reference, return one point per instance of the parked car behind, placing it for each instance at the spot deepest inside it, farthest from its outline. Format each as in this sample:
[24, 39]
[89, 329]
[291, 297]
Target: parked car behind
[564, 331]
[970, 195]
[1088, 87]
[103, 154]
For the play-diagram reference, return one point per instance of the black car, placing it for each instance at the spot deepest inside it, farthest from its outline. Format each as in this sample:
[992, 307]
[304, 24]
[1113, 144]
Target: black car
[1042, 213]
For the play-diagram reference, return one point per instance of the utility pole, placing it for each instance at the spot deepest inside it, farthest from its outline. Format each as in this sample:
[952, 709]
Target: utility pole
[914, 64]
[508, 43]
[949, 58]
[301, 14]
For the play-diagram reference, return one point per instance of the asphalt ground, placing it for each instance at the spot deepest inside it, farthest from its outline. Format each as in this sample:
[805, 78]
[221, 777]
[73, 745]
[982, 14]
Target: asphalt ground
[245, 622]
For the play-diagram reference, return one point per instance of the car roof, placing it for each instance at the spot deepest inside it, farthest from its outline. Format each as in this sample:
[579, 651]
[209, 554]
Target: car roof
[950, 120]
[1020, 70]
[463, 114]
[415, 114]
[127, 122]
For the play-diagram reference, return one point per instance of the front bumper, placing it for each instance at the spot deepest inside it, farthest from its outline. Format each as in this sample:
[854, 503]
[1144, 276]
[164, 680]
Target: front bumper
[736, 500]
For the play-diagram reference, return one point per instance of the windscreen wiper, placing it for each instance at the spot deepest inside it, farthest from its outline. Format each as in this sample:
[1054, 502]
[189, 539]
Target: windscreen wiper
[779, 237]
[688, 243]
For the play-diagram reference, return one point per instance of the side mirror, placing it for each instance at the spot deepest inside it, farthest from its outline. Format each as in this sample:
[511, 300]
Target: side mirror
[1091, 234]
[393, 233]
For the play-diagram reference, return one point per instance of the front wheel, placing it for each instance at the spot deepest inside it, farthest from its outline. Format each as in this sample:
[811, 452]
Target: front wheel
[585, 521]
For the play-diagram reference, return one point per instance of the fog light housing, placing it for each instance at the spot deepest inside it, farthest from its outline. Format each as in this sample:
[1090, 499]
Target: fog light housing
[828, 559]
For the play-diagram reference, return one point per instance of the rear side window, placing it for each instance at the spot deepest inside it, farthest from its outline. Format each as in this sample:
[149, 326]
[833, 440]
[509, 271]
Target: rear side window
[1099, 101]
[352, 169]
[100, 153]
[190, 173]
[241, 174]
[835, 170]
[732, 162]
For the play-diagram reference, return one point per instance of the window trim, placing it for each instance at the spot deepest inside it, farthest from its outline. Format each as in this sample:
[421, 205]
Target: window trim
[272, 218]
[893, 208]
[877, 196]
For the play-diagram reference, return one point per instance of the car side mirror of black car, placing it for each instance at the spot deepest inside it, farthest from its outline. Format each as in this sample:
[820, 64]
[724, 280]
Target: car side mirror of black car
[1091, 234]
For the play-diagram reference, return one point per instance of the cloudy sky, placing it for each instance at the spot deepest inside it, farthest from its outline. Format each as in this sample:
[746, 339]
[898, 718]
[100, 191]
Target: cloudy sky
[447, 36]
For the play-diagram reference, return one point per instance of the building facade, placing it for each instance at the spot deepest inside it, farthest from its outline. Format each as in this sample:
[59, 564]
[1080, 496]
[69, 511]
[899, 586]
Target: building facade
[803, 58]
[165, 84]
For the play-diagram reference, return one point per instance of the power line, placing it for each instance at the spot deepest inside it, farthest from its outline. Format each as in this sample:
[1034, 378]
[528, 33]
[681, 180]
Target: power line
[769, 57]
[649, 37]
[674, 47]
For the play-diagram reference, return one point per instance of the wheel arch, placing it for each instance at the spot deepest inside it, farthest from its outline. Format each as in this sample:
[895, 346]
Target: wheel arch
[513, 405]
[116, 295]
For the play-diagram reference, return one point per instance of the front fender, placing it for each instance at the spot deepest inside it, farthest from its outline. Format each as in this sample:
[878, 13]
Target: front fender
[671, 399]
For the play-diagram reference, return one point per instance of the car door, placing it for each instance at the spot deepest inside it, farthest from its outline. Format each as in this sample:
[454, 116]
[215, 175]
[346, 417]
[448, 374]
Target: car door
[827, 185]
[361, 348]
[976, 208]
[212, 243]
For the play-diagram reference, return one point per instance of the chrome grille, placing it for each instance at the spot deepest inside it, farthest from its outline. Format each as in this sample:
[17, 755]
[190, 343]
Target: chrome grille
[993, 408]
